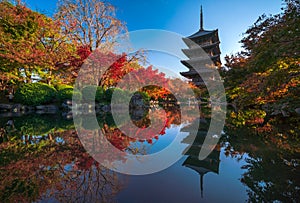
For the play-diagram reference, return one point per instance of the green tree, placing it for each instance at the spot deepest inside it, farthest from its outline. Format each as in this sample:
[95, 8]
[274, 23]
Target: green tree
[266, 76]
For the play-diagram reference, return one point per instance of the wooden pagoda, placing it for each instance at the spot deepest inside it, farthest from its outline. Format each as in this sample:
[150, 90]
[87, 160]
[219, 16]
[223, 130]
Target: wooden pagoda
[203, 42]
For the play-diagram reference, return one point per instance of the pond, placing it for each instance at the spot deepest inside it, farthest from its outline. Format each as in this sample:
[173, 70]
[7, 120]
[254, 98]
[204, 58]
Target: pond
[42, 159]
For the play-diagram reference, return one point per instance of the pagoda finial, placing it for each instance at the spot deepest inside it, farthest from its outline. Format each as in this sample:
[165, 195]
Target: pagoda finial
[201, 19]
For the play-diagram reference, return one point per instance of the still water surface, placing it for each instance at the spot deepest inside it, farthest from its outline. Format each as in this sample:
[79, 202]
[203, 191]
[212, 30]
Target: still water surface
[42, 160]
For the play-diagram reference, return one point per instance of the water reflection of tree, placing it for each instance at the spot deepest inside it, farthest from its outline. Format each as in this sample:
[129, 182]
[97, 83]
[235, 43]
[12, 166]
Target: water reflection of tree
[29, 125]
[40, 167]
[92, 184]
[131, 142]
[272, 174]
[47, 169]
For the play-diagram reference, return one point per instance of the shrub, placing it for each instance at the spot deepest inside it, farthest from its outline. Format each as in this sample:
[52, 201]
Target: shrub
[122, 94]
[35, 94]
[62, 86]
[68, 93]
[88, 93]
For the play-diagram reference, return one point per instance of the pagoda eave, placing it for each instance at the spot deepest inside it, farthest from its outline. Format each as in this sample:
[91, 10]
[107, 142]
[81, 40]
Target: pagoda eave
[201, 62]
[210, 45]
[187, 75]
[203, 33]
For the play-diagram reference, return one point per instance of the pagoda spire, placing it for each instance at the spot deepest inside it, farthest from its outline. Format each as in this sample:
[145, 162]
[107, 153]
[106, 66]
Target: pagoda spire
[201, 19]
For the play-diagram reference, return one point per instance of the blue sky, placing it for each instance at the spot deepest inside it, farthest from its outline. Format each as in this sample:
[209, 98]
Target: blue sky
[231, 17]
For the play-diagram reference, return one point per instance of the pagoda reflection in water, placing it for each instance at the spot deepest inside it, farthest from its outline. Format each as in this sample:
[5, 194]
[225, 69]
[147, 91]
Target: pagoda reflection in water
[209, 164]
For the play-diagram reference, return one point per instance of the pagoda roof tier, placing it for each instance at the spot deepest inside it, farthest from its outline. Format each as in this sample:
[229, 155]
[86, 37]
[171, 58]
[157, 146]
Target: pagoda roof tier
[214, 44]
[198, 51]
[192, 73]
[204, 73]
[187, 75]
[202, 59]
[190, 43]
[201, 33]
[198, 78]
[192, 67]
[200, 62]
[199, 169]
[198, 83]
[202, 166]
[194, 52]
[193, 151]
